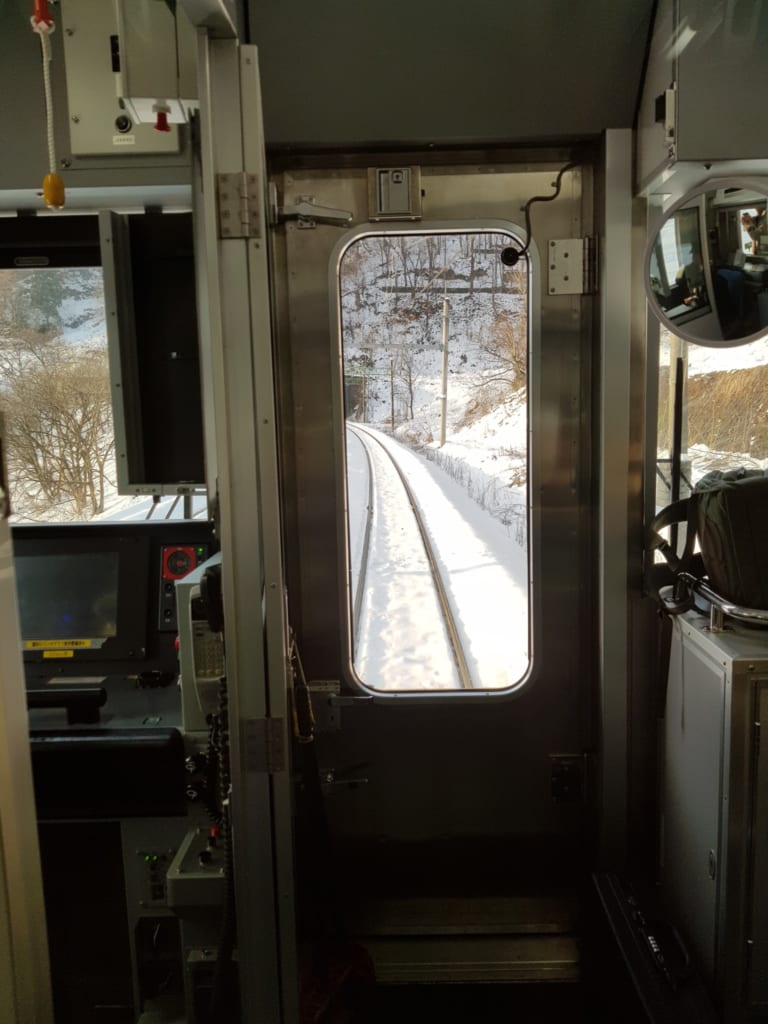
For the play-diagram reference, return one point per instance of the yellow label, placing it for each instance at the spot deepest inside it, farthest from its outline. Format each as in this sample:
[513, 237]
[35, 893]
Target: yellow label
[40, 645]
[58, 654]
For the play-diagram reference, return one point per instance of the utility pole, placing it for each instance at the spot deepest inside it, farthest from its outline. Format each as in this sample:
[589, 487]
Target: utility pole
[444, 387]
[391, 394]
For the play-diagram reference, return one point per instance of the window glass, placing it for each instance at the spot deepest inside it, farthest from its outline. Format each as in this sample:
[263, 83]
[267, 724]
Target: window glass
[435, 367]
[725, 409]
[55, 394]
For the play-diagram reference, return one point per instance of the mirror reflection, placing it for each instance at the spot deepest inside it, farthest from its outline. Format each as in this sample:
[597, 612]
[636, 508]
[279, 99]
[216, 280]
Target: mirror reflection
[707, 274]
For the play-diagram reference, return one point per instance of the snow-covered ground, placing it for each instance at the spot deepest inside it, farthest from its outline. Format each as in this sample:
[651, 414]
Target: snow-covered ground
[401, 640]
[125, 508]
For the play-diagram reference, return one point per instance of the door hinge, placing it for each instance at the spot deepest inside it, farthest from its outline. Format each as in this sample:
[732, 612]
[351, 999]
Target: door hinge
[572, 266]
[237, 200]
[265, 745]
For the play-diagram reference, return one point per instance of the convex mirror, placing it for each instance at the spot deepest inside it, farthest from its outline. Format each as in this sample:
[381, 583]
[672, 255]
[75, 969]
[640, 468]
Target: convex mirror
[707, 267]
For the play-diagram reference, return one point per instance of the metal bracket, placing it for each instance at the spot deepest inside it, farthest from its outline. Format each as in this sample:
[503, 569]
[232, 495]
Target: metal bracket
[327, 716]
[309, 214]
[670, 118]
[264, 745]
[348, 778]
[237, 199]
[572, 266]
[567, 777]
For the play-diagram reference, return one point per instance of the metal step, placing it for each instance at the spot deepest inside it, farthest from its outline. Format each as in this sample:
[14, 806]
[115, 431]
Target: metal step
[524, 958]
[464, 916]
[512, 939]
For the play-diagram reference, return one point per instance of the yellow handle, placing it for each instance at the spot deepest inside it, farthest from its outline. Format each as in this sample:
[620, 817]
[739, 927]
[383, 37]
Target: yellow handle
[53, 191]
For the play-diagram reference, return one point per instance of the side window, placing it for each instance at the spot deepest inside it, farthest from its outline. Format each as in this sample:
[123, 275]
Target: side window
[55, 392]
[725, 409]
[435, 344]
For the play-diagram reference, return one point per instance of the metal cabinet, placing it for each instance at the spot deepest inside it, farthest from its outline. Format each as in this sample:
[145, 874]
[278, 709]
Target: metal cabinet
[715, 807]
[703, 91]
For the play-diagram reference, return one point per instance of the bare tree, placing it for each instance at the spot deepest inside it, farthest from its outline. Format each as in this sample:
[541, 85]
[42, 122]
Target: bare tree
[406, 374]
[59, 436]
[508, 346]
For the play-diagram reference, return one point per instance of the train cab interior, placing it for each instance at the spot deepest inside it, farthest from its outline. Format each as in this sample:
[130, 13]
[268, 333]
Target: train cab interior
[362, 374]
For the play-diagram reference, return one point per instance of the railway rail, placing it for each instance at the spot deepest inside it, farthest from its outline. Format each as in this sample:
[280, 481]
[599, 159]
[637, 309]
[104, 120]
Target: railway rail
[370, 442]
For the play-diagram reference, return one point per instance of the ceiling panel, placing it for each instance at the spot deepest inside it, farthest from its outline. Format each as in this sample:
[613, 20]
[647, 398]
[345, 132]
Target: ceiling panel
[421, 71]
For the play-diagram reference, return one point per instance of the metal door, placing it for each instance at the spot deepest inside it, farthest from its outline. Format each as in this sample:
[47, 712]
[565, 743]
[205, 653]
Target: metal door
[499, 782]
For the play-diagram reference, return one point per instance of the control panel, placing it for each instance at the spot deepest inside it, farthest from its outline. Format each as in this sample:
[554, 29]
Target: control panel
[201, 647]
[175, 562]
[196, 874]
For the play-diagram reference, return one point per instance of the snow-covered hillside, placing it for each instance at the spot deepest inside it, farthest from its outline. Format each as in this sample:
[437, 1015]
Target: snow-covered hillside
[399, 295]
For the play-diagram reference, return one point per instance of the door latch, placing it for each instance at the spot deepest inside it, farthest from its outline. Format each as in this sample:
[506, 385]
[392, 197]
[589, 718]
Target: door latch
[307, 212]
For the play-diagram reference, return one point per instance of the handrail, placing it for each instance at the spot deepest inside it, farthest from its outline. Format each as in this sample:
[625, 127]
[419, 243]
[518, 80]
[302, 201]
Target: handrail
[755, 616]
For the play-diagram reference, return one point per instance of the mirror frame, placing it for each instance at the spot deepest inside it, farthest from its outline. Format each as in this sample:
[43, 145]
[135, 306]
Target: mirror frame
[758, 184]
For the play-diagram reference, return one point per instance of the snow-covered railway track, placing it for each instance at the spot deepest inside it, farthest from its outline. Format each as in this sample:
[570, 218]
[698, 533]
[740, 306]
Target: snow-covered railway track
[381, 461]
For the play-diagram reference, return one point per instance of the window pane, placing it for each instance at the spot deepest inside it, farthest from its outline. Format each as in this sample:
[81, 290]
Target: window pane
[435, 360]
[54, 387]
[55, 392]
[725, 409]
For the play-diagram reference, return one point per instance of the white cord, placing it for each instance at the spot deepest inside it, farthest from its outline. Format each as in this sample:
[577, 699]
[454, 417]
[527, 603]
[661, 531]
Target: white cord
[45, 43]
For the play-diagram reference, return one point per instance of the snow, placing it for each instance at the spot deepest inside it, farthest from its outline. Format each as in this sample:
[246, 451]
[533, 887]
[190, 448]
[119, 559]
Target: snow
[705, 359]
[402, 640]
[132, 508]
[398, 298]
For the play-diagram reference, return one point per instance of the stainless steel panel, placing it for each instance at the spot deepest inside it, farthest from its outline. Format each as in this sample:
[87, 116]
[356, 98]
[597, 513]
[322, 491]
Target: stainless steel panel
[438, 770]
[616, 251]
[715, 846]
[692, 794]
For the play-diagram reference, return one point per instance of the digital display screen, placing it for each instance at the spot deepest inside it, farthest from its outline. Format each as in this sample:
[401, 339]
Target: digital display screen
[68, 597]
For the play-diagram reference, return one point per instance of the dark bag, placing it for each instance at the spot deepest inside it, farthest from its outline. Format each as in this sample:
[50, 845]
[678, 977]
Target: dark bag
[732, 524]
[728, 513]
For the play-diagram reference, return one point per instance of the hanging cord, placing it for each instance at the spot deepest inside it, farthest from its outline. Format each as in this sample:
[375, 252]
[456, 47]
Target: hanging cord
[43, 25]
[45, 45]
[510, 256]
